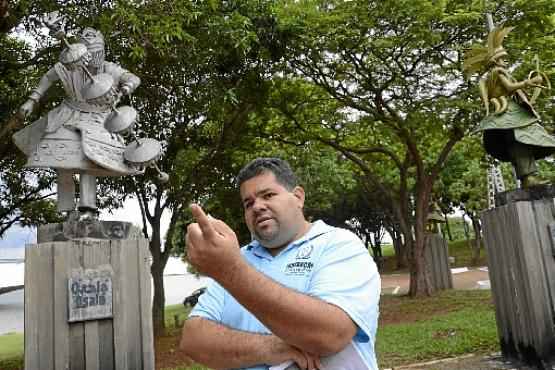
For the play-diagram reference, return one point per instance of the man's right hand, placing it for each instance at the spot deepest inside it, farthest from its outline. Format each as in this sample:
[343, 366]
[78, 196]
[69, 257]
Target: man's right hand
[279, 350]
[212, 246]
[27, 108]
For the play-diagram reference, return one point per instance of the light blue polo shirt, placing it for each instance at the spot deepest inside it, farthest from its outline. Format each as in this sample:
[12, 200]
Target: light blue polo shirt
[327, 262]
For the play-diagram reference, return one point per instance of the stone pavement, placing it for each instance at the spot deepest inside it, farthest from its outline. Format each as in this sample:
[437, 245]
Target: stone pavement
[467, 362]
[463, 278]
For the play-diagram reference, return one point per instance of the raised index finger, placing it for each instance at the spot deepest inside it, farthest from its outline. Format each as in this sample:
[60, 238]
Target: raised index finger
[203, 220]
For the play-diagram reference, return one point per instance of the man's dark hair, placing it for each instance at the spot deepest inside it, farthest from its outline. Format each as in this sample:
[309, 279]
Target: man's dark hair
[280, 168]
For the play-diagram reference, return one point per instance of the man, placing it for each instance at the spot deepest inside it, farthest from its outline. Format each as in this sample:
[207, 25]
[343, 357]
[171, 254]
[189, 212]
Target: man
[300, 292]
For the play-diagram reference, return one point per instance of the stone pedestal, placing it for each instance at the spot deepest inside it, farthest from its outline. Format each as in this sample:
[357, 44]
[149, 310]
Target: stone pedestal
[520, 246]
[437, 257]
[88, 298]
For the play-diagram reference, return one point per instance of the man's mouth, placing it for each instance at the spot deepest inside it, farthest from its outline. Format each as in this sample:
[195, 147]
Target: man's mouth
[262, 220]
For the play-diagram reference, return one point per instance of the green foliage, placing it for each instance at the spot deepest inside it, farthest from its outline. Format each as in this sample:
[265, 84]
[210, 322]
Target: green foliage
[23, 193]
[457, 225]
[226, 81]
[178, 310]
[462, 251]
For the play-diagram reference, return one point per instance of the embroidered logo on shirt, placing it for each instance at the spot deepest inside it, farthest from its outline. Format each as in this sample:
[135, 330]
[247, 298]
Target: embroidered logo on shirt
[304, 252]
[298, 268]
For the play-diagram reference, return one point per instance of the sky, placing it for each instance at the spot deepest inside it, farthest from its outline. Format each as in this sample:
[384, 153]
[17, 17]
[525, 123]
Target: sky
[17, 237]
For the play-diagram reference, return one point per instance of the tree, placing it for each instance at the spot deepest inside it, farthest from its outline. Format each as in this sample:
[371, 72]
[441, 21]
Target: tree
[203, 67]
[393, 71]
[464, 185]
[25, 194]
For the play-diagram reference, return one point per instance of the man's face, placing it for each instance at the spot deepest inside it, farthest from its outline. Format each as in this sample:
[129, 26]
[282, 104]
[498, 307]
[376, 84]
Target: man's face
[274, 215]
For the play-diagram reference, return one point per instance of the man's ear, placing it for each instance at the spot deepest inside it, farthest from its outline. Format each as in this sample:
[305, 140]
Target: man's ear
[298, 192]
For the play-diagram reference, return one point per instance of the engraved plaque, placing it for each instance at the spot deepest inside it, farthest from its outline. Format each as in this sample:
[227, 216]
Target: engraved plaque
[90, 294]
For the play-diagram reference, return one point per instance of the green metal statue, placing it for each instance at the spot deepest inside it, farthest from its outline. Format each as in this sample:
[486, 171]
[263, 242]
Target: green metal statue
[512, 132]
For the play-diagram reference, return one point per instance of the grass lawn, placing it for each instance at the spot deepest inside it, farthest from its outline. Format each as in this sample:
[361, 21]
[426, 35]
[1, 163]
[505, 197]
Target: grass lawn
[11, 351]
[448, 324]
[410, 330]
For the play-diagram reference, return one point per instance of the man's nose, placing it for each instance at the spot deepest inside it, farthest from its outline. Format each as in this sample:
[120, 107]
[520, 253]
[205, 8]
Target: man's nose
[259, 205]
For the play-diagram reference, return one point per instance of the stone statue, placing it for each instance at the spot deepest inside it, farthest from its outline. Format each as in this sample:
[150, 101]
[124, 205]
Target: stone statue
[82, 134]
[512, 131]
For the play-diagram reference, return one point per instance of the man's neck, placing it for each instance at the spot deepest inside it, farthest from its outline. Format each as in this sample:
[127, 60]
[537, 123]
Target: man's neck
[304, 230]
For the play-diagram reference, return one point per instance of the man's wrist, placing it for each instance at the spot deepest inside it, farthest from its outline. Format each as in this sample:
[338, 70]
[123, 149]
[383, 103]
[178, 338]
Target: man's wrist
[231, 271]
[275, 350]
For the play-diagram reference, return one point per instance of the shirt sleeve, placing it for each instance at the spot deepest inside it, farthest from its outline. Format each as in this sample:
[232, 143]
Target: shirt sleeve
[346, 276]
[211, 303]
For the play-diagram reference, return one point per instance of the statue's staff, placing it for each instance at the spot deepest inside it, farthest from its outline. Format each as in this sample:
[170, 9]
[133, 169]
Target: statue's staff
[538, 88]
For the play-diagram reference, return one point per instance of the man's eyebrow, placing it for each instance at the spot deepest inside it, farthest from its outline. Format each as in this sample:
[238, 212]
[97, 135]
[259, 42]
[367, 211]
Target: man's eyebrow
[263, 191]
[259, 192]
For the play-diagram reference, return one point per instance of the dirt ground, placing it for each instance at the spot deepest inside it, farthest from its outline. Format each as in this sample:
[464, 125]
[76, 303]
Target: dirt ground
[167, 351]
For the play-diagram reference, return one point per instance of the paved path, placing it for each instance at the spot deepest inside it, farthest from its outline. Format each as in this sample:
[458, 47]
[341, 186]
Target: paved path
[467, 362]
[463, 279]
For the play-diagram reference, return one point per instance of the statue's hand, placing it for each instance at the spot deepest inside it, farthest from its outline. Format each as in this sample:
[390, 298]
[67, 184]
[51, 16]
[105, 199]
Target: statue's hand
[27, 108]
[535, 81]
[125, 89]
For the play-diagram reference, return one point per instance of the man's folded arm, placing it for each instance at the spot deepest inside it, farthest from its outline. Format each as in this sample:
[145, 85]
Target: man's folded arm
[303, 321]
[220, 347]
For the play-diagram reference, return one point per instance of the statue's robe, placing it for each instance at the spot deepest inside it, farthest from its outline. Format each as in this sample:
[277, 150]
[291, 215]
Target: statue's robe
[72, 135]
[520, 123]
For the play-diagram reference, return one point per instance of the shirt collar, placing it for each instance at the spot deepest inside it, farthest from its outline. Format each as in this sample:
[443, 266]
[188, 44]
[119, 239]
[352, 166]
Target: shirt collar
[317, 228]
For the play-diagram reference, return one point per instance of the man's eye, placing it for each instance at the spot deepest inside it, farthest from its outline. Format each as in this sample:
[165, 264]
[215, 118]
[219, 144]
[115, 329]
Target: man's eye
[247, 205]
[269, 195]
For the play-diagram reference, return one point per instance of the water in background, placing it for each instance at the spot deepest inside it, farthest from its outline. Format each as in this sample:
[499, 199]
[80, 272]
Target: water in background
[11, 254]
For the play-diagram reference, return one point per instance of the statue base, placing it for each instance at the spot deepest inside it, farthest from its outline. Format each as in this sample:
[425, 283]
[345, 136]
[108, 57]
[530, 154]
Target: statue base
[87, 228]
[536, 192]
[437, 257]
[88, 302]
[519, 239]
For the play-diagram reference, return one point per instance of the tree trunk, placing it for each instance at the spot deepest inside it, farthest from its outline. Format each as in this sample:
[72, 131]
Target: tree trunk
[399, 248]
[159, 299]
[477, 240]
[466, 232]
[448, 227]
[420, 284]
[377, 253]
